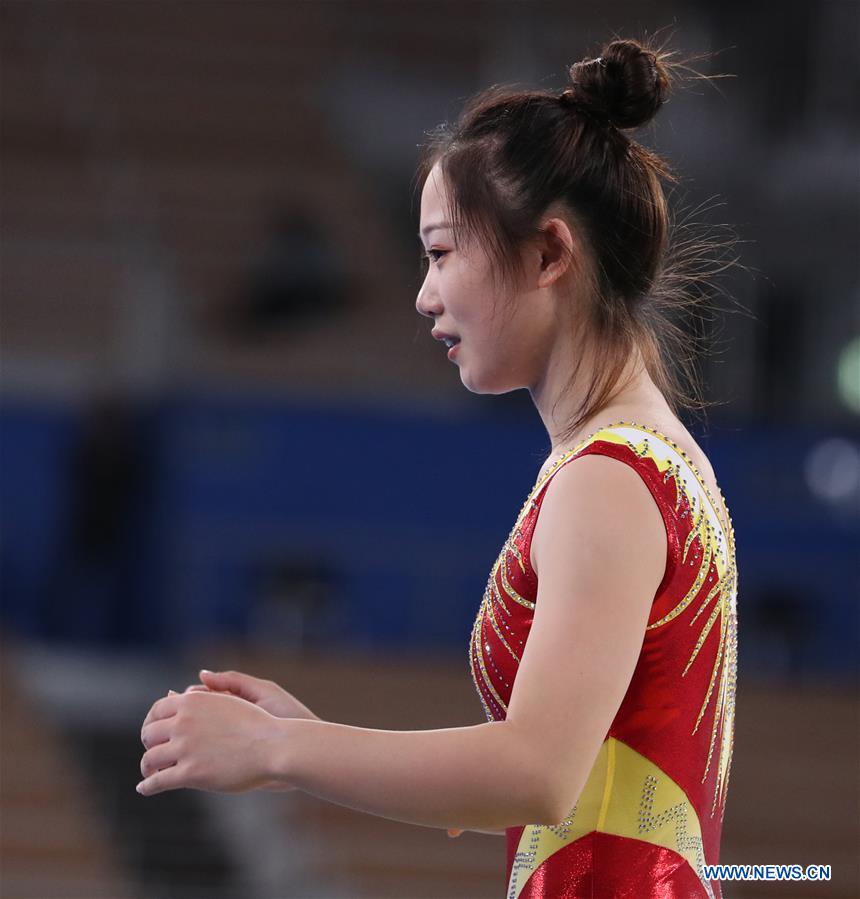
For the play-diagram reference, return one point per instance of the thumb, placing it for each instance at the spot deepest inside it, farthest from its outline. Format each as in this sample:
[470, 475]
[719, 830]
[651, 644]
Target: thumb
[233, 681]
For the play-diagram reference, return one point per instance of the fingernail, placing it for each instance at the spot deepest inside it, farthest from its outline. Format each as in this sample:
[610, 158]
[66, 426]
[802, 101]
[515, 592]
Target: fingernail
[138, 788]
[206, 671]
[173, 692]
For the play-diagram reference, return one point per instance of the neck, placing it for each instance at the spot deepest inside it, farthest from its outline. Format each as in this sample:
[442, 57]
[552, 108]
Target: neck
[557, 401]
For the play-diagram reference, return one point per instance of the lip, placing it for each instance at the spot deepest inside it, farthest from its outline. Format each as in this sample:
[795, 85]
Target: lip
[441, 335]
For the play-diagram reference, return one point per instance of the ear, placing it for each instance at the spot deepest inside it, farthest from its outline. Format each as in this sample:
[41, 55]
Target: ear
[556, 249]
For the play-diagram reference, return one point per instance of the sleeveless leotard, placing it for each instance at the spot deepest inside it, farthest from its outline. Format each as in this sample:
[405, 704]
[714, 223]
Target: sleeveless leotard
[650, 814]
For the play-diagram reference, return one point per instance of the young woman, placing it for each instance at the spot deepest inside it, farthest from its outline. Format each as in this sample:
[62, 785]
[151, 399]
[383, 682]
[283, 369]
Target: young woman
[604, 651]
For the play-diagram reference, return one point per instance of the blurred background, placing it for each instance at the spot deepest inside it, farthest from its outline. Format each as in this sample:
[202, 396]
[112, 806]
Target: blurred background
[228, 439]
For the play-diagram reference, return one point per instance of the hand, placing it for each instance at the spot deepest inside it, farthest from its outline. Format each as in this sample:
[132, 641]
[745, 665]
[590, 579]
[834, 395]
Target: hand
[207, 741]
[263, 693]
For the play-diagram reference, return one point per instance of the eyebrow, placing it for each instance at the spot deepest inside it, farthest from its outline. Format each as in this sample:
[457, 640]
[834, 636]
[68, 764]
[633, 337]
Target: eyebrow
[437, 227]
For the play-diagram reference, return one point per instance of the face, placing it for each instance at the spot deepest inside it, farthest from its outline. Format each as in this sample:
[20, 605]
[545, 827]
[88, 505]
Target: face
[494, 354]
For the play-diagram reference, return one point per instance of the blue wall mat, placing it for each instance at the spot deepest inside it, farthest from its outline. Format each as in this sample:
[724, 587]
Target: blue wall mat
[403, 508]
[378, 527]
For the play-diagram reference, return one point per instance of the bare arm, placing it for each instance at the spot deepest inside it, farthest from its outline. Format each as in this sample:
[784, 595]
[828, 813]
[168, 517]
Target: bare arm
[600, 549]
[475, 778]
[600, 546]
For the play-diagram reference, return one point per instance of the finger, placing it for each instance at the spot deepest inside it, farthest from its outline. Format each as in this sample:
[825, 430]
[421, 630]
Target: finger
[202, 688]
[165, 707]
[224, 680]
[168, 779]
[162, 756]
[155, 733]
[158, 711]
[242, 685]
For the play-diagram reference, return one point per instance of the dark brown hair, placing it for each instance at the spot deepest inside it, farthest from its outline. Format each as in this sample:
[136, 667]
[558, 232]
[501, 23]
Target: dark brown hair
[514, 152]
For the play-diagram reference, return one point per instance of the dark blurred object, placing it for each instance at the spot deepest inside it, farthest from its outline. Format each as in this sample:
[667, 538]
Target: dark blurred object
[90, 597]
[171, 847]
[297, 280]
[782, 617]
[106, 478]
[294, 602]
[780, 332]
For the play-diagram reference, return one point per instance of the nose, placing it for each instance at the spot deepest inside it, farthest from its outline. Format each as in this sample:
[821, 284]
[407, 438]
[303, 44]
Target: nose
[427, 301]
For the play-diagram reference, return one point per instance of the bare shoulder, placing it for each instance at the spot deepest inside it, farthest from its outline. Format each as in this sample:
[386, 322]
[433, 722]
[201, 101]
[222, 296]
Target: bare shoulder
[596, 507]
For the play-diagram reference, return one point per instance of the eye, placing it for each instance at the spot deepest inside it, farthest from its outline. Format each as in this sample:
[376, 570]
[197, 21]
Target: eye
[435, 255]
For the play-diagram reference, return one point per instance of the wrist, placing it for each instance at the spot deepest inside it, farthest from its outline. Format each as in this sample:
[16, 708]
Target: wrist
[278, 751]
[273, 755]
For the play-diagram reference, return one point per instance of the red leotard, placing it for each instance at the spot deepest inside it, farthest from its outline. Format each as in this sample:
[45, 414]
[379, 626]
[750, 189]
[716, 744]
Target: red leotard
[651, 812]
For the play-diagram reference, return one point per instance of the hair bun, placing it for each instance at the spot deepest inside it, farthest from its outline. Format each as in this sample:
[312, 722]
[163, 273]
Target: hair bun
[626, 84]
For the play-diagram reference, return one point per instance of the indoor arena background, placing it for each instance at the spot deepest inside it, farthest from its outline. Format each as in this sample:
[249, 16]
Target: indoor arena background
[228, 439]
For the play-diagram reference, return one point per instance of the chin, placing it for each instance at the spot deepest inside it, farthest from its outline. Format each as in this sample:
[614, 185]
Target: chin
[487, 386]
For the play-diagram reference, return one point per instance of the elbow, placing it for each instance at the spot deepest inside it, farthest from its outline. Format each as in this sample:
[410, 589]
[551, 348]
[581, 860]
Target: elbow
[548, 801]
[558, 805]
[554, 815]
